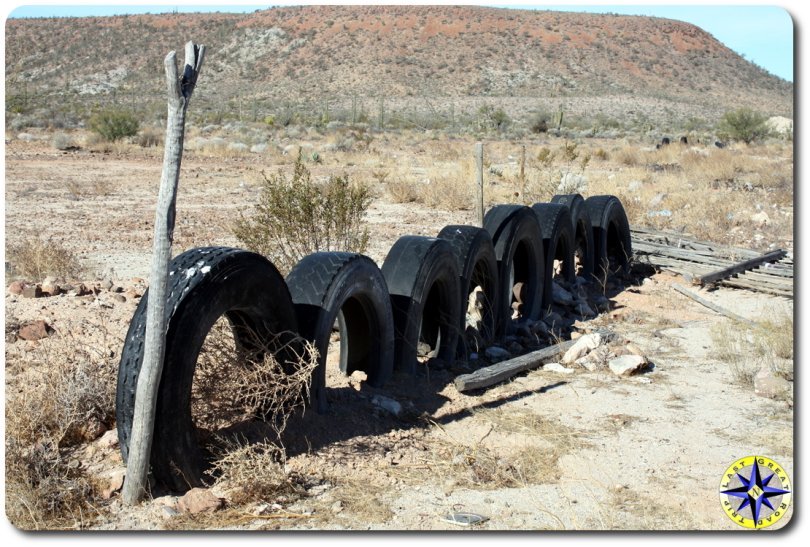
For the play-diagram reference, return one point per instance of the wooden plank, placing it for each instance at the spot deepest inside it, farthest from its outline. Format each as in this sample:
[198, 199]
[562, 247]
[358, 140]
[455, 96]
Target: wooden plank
[739, 267]
[711, 305]
[487, 376]
[740, 284]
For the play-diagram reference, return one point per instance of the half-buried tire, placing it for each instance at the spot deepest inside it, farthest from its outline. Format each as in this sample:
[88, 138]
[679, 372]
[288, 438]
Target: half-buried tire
[348, 288]
[518, 246]
[478, 278]
[204, 285]
[558, 242]
[611, 234]
[422, 278]
[583, 233]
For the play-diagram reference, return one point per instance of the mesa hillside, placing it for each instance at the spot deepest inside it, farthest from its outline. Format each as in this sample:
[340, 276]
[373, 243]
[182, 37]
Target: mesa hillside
[430, 66]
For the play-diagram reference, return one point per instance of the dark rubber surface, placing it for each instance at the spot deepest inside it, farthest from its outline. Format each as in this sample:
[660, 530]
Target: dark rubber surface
[423, 281]
[558, 241]
[611, 233]
[583, 231]
[518, 246]
[348, 288]
[475, 257]
[204, 284]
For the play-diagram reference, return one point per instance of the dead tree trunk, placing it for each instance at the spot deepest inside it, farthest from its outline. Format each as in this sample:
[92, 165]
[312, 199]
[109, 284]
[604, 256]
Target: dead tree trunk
[140, 448]
[479, 183]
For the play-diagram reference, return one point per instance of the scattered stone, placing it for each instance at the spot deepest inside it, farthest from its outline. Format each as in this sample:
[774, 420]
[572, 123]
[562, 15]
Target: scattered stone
[657, 199]
[168, 512]
[602, 303]
[767, 384]
[560, 296]
[634, 349]
[119, 297]
[114, 484]
[539, 327]
[77, 290]
[32, 291]
[387, 404]
[584, 309]
[337, 507]
[524, 330]
[199, 500]
[648, 281]
[575, 335]
[34, 330]
[495, 353]
[16, 287]
[587, 363]
[74, 464]
[553, 319]
[627, 365]
[50, 287]
[515, 348]
[635, 185]
[582, 346]
[761, 218]
[91, 429]
[109, 439]
[557, 367]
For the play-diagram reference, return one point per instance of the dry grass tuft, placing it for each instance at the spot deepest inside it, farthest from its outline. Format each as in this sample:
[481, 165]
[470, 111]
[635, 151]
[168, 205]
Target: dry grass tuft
[59, 394]
[36, 258]
[252, 472]
[746, 349]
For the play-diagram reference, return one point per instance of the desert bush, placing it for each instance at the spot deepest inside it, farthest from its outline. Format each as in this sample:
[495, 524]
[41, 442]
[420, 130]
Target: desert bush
[59, 394]
[62, 141]
[743, 124]
[403, 190]
[113, 124]
[150, 137]
[36, 258]
[747, 349]
[297, 216]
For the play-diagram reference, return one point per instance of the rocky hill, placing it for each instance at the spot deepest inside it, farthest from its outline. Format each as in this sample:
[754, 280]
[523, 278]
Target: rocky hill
[428, 55]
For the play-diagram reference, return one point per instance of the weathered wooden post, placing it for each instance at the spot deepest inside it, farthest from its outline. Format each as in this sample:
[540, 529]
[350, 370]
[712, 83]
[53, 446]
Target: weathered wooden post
[479, 182]
[180, 90]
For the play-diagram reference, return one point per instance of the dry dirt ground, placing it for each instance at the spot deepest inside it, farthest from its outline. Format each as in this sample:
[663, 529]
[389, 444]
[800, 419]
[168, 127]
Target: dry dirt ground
[580, 451]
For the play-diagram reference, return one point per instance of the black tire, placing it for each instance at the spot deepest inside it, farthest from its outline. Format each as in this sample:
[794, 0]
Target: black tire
[422, 279]
[475, 257]
[558, 242]
[349, 288]
[519, 249]
[583, 232]
[204, 284]
[611, 234]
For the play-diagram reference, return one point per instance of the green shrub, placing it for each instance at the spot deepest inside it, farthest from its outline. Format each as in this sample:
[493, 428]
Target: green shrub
[743, 124]
[297, 216]
[113, 124]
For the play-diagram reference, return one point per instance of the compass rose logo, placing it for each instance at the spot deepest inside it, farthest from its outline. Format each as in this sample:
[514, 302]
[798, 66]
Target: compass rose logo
[755, 492]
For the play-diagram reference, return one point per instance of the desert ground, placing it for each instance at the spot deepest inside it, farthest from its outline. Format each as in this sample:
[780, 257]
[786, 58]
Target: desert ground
[580, 450]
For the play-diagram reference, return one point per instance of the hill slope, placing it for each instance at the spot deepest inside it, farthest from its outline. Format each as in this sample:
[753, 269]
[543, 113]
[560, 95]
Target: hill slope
[435, 53]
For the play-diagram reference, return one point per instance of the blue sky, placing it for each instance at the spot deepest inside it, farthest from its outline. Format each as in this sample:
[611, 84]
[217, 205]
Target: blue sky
[763, 34]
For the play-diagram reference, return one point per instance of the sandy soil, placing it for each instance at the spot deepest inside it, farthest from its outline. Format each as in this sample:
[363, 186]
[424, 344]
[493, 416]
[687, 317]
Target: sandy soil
[586, 450]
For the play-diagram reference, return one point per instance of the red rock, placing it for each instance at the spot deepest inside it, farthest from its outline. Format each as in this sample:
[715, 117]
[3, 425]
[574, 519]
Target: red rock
[33, 291]
[199, 500]
[34, 330]
[50, 287]
[16, 287]
[115, 484]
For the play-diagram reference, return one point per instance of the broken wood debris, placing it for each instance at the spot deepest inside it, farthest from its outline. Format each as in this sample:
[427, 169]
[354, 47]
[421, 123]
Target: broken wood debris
[705, 262]
[711, 305]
